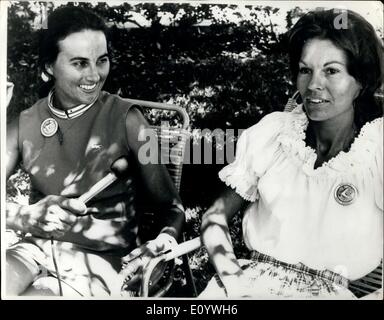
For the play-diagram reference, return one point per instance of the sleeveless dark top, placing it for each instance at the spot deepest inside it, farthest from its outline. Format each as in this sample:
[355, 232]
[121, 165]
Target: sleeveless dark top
[90, 144]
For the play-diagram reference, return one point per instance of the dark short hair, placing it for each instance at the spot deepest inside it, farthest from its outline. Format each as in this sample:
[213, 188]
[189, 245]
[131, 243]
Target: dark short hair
[362, 47]
[63, 22]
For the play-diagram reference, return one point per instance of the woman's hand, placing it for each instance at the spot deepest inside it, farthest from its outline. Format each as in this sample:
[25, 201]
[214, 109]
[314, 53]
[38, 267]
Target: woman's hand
[51, 217]
[134, 262]
[237, 286]
[10, 87]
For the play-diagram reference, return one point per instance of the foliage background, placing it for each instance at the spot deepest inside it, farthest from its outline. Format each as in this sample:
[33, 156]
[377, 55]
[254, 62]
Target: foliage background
[227, 67]
[226, 74]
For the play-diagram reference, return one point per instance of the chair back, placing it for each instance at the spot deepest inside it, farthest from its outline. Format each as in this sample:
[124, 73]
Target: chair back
[292, 102]
[172, 136]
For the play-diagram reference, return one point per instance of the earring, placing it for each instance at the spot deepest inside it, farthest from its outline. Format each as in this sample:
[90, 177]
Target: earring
[45, 77]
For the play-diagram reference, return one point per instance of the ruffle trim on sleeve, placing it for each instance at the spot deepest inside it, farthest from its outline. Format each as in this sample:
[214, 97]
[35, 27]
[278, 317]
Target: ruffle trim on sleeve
[245, 184]
[257, 149]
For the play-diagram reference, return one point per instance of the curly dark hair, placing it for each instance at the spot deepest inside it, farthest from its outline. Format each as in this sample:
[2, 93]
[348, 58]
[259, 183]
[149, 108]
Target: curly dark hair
[62, 22]
[363, 49]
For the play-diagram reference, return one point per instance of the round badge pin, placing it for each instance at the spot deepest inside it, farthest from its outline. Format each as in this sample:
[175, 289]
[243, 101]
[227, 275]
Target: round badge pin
[345, 193]
[49, 127]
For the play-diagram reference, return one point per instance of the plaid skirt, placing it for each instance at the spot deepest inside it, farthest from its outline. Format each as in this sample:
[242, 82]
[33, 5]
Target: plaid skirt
[270, 278]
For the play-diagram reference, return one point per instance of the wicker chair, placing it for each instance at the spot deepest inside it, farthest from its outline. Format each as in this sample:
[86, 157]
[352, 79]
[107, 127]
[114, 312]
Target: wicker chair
[368, 284]
[172, 140]
[174, 136]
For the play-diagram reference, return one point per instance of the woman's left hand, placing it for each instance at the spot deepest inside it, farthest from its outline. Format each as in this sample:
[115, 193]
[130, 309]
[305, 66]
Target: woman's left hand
[134, 262]
[237, 286]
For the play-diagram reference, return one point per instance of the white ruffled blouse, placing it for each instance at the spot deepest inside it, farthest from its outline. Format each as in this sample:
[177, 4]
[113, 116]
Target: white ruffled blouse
[294, 215]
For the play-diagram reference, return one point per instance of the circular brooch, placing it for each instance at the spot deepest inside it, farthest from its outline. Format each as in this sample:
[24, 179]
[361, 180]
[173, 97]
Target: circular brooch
[345, 193]
[49, 127]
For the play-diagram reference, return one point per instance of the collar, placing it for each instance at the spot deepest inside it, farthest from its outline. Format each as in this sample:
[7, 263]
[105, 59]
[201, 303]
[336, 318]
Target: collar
[70, 113]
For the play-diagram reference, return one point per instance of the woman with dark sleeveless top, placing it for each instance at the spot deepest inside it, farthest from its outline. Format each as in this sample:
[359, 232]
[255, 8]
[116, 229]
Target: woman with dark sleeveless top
[67, 142]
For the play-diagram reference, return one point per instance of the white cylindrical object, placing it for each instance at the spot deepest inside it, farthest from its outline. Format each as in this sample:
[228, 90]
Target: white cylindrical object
[183, 248]
[98, 187]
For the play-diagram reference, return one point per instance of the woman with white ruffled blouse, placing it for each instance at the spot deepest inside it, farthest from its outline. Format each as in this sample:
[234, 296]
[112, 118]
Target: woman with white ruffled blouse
[311, 180]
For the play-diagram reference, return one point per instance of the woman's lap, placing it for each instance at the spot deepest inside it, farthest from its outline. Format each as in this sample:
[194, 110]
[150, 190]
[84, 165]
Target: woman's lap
[276, 282]
[20, 273]
[81, 273]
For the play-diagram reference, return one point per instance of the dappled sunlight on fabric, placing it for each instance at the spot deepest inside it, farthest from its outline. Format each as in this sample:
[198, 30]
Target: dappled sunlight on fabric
[27, 148]
[93, 142]
[97, 166]
[35, 170]
[85, 271]
[99, 234]
[70, 182]
[50, 170]
[104, 227]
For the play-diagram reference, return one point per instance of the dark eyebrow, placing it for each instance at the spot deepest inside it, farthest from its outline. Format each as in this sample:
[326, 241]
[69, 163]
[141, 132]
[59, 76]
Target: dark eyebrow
[105, 55]
[78, 58]
[85, 59]
[327, 63]
[330, 62]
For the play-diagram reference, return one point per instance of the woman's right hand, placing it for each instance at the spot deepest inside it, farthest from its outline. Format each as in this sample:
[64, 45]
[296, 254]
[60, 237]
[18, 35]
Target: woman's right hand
[51, 217]
[237, 286]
